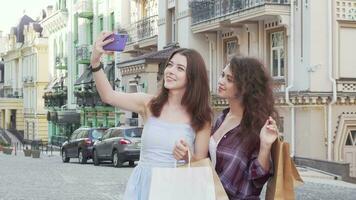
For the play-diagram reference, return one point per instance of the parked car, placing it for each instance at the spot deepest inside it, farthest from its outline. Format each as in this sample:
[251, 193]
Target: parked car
[80, 145]
[119, 145]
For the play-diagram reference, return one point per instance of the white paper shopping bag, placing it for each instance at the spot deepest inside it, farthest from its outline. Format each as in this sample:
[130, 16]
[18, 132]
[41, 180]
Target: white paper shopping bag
[190, 183]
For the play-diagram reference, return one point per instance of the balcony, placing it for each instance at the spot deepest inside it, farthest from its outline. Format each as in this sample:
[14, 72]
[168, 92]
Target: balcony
[27, 79]
[61, 63]
[214, 12]
[83, 53]
[55, 21]
[14, 93]
[85, 9]
[55, 98]
[143, 30]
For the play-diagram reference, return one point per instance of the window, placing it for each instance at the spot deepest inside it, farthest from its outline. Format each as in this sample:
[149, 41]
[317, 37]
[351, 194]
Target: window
[33, 130]
[116, 133]
[351, 139]
[75, 30]
[112, 21]
[230, 49]
[74, 135]
[107, 134]
[135, 133]
[281, 125]
[27, 130]
[277, 54]
[173, 28]
[248, 42]
[347, 58]
[91, 41]
[101, 23]
[82, 134]
[144, 9]
[97, 133]
[64, 4]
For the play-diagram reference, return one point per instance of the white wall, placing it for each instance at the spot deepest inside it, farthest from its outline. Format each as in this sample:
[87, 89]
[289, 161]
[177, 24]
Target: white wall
[347, 59]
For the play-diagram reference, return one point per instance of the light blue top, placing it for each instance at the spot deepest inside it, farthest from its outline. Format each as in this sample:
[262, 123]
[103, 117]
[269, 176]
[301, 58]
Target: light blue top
[158, 140]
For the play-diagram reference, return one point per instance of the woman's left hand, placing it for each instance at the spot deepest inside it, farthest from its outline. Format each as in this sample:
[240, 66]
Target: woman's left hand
[269, 133]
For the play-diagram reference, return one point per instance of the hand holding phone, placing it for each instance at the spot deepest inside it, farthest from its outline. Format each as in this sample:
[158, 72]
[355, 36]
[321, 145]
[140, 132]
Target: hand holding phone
[118, 44]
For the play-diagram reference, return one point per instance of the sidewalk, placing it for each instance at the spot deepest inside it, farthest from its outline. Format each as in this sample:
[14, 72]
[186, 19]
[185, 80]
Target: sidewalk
[317, 176]
[20, 153]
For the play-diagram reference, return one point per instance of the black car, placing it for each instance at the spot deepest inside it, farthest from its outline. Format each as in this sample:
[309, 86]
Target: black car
[80, 144]
[119, 144]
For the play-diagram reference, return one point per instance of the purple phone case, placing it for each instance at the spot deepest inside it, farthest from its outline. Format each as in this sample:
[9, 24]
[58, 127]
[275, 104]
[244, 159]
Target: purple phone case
[118, 44]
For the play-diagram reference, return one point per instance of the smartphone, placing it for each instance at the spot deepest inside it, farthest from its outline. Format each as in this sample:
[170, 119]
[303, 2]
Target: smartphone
[118, 44]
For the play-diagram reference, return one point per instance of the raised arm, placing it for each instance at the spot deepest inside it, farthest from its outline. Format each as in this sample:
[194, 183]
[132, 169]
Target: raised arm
[135, 102]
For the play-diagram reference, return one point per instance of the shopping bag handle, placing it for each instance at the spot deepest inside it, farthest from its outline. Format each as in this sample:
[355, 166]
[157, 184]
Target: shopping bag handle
[189, 159]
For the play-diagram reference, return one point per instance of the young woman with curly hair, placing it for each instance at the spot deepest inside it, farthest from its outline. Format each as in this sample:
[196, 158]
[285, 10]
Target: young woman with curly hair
[243, 134]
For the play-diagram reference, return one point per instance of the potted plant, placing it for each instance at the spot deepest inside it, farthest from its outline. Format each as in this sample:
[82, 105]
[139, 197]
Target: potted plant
[27, 152]
[35, 153]
[1, 144]
[6, 148]
[35, 149]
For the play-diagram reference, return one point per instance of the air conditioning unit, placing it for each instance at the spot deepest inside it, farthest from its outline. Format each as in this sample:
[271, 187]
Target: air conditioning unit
[30, 78]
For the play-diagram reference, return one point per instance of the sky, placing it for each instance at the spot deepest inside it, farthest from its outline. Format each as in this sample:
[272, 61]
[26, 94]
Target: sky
[12, 10]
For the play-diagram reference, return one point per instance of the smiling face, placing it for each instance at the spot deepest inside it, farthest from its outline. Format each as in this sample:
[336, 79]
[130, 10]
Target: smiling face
[226, 85]
[175, 74]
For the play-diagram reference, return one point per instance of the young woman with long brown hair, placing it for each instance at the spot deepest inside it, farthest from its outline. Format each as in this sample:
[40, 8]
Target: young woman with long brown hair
[243, 134]
[176, 119]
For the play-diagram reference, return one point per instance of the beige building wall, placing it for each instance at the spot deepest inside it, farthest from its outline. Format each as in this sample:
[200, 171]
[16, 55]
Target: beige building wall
[35, 78]
[318, 47]
[6, 106]
[26, 77]
[12, 102]
[310, 132]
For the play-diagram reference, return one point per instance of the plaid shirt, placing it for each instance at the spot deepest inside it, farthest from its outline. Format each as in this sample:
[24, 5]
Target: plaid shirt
[241, 175]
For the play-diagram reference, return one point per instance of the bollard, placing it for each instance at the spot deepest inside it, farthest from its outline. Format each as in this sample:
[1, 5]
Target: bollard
[15, 150]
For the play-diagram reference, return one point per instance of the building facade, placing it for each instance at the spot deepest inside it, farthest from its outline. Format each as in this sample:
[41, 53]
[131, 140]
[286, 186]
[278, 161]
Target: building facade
[306, 46]
[89, 18]
[25, 60]
[62, 118]
[141, 69]
[34, 56]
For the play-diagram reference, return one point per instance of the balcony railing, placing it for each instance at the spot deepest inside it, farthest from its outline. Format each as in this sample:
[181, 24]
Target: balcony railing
[85, 9]
[61, 62]
[143, 29]
[83, 53]
[204, 10]
[56, 98]
[14, 93]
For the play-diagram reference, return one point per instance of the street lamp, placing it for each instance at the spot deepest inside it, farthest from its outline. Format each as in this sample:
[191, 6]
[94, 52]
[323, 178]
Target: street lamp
[137, 80]
[117, 84]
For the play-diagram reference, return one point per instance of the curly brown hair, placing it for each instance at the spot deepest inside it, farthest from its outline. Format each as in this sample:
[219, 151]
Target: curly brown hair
[196, 98]
[254, 89]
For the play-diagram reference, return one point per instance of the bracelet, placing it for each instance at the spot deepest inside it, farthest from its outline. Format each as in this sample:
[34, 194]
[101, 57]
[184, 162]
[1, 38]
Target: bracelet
[96, 68]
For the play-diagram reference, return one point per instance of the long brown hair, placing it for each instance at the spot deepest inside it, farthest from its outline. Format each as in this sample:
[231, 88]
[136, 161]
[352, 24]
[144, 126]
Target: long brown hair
[196, 98]
[254, 89]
